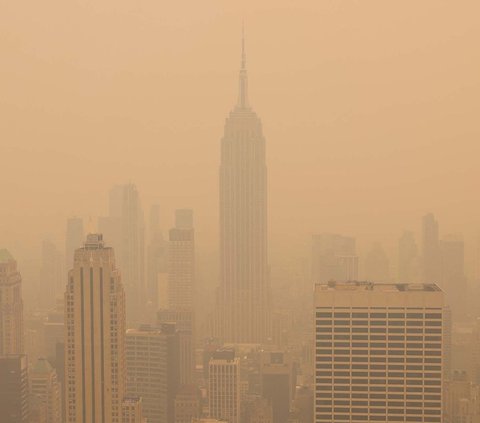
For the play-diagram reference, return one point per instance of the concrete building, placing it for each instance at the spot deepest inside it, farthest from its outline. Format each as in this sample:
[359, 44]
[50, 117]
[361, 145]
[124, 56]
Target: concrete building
[11, 306]
[14, 398]
[461, 400]
[334, 258]
[44, 384]
[153, 370]
[243, 298]
[132, 410]
[95, 369]
[378, 354]
[224, 386]
[187, 404]
[277, 383]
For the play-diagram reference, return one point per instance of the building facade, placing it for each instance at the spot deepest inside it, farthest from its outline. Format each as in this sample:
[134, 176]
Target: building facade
[378, 354]
[11, 306]
[95, 369]
[243, 299]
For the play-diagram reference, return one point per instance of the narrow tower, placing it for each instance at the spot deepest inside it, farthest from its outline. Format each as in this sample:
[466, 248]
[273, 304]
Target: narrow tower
[243, 297]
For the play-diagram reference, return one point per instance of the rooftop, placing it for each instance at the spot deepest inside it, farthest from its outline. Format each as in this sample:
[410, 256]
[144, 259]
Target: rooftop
[377, 287]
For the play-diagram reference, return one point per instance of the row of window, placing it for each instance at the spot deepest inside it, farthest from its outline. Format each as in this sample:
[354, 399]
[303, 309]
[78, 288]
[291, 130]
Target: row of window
[377, 315]
[359, 418]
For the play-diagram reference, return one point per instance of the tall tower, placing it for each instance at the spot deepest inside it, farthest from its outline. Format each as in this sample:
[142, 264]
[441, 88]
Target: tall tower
[224, 386]
[73, 239]
[243, 297]
[124, 229]
[95, 370]
[11, 306]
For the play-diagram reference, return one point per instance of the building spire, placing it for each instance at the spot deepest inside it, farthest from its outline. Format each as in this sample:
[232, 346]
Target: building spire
[243, 79]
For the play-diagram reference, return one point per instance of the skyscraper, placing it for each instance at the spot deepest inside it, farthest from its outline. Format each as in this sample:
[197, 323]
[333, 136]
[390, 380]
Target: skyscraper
[377, 268]
[224, 386]
[14, 404]
[430, 249]
[52, 275]
[407, 258]
[244, 294]
[11, 306]
[153, 371]
[378, 354]
[74, 239]
[334, 258]
[124, 230]
[44, 385]
[94, 336]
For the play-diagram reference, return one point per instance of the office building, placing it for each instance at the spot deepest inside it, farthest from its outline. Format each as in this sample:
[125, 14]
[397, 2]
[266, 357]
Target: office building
[153, 371]
[74, 239]
[277, 383]
[378, 354]
[407, 258]
[187, 404]
[243, 299]
[431, 262]
[132, 410]
[333, 258]
[94, 336]
[224, 386]
[45, 386]
[11, 306]
[14, 401]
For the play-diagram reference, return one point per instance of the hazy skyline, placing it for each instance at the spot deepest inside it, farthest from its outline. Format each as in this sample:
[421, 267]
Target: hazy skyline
[369, 111]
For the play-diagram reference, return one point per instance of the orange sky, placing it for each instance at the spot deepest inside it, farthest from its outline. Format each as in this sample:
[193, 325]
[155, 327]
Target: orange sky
[370, 110]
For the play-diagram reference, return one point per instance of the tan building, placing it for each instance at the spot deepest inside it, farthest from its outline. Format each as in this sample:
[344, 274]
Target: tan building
[132, 410]
[461, 400]
[224, 386]
[378, 353]
[187, 404]
[94, 336]
[11, 306]
[243, 298]
[44, 385]
[153, 370]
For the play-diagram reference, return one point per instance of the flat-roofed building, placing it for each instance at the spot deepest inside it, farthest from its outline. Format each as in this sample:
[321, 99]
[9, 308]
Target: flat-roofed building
[378, 354]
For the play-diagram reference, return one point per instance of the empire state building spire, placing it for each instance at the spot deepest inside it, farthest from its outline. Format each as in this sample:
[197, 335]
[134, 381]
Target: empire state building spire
[243, 78]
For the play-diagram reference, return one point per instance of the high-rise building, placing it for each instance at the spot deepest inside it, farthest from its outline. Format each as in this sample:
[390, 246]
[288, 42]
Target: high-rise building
[44, 385]
[153, 370]
[181, 290]
[377, 267]
[277, 383]
[52, 275]
[11, 306]
[430, 249]
[157, 253]
[224, 386]
[334, 258]
[407, 258]
[74, 239]
[244, 294]
[124, 230]
[94, 336]
[378, 354]
[187, 404]
[132, 411]
[14, 401]
[453, 280]
[461, 400]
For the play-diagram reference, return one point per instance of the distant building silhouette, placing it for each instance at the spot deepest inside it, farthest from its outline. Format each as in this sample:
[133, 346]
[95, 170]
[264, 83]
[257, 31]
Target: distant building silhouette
[14, 390]
[244, 293]
[74, 239]
[95, 369]
[11, 306]
[407, 258]
[124, 229]
[430, 249]
[334, 258]
[377, 266]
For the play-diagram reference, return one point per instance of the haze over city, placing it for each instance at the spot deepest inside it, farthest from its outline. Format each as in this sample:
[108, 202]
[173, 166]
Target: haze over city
[235, 155]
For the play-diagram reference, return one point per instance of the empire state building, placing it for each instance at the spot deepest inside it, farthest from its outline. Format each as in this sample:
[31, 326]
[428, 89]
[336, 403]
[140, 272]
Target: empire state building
[244, 293]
